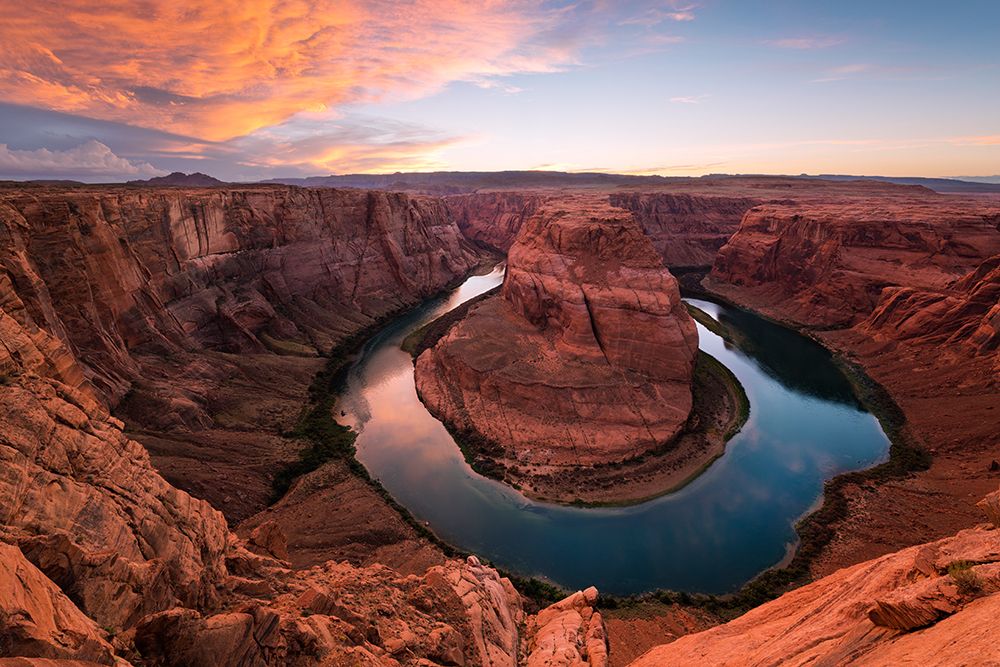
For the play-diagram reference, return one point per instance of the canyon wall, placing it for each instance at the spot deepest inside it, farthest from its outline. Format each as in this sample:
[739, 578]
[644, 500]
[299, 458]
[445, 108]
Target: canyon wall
[904, 285]
[492, 219]
[826, 264]
[586, 355]
[201, 314]
[687, 230]
[127, 272]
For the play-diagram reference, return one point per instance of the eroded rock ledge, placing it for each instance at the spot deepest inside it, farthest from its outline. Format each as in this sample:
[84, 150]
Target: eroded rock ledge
[584, 358]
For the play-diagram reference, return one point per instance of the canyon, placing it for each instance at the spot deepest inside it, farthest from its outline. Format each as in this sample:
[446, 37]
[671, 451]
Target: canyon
[157, 346]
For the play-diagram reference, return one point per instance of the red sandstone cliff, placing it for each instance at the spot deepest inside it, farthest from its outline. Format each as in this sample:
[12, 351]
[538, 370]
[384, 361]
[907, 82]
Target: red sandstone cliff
[206, 309]
[99, 556]
[585, 357]
[687, 230]
[120, 274]
[965, 316]
[492, 219]
[826, 264]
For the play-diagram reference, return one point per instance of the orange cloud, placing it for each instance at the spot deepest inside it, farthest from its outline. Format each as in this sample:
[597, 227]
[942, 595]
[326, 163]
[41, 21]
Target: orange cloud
[223, 69]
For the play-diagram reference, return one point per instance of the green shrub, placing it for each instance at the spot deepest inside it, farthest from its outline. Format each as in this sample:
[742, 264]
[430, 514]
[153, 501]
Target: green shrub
[968, 582]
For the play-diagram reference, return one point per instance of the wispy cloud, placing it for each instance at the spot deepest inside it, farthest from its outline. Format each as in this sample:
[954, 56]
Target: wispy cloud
[674, 11]
[342, 145]
[844, 72]
[805, 43]
[88, 160]
[689, 99]
[982, 140]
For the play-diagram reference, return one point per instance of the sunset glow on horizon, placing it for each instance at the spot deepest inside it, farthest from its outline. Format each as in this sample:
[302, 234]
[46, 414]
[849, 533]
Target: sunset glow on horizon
[247, 90]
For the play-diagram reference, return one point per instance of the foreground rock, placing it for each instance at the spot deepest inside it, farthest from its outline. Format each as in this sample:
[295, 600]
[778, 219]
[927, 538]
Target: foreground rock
[584, 358]
[933, 604]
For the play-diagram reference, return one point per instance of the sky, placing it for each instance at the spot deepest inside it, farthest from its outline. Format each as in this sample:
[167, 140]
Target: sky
[253, 89]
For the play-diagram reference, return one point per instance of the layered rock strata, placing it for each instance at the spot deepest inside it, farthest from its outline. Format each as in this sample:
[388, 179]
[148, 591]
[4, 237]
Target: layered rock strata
[687, 230]
[933, 604]
[200, 314]
[493, 219]
[102, 561]
[905, 286]
[826, 264]
[586, 355]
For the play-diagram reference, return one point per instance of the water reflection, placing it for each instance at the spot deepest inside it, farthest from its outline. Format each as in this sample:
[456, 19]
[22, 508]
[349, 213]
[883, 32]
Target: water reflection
[716, 533]
[780, 353]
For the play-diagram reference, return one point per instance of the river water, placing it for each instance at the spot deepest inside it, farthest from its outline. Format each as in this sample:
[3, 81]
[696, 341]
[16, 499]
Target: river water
[713, 535]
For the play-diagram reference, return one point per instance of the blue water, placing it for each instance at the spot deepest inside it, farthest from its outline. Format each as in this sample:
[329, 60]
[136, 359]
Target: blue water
[715, 534]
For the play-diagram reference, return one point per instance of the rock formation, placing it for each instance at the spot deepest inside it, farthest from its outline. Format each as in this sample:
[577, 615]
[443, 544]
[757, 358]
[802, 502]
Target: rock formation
[117, 274]
[81, 499]
[826, 264]
[493, 219]
[99, 556]
[586, 355]
[933, 604]
[687, 230]
[965, 316]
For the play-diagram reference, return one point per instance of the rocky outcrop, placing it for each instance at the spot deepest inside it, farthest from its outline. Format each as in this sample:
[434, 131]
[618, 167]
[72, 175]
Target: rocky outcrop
[964, 316]
[586, 355]
[82, 500]
[687, 230]
[493, 219]
[826, 264]
[37, 620]
[459, 613]
[931, 605]
[569, 633]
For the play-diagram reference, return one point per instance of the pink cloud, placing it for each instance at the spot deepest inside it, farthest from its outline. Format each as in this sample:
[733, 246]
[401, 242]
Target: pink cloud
[224, 69]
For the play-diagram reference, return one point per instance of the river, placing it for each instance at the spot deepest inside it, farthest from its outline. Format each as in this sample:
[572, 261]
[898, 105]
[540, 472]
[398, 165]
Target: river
[732, 522]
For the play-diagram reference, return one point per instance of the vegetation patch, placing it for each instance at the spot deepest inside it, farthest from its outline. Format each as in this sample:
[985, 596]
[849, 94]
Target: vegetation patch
[965, 578]
[286, 347]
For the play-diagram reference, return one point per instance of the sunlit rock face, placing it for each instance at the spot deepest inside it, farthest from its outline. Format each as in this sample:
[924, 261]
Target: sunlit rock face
[118, 273]
[586, 355]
